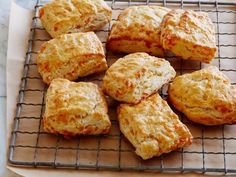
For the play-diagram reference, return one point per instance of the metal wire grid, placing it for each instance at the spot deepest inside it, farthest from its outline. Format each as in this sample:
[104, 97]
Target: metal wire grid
[89, 154]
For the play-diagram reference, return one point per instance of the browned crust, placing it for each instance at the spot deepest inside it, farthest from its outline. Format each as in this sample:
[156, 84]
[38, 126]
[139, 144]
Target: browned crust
[72, 110]
[205, 120]
[209, 121]
[58, 18]
[125, 110]
[171, 39]
[113, 45]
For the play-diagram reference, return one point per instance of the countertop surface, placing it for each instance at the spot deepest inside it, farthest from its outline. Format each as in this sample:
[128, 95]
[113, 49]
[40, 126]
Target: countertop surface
[4, 19]
[4, 22]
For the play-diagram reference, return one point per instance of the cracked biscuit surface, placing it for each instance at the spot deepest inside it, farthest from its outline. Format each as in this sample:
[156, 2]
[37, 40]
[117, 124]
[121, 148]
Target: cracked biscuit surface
[75, 109]
[205, 96]
[137, 29]
[136, 76]
[189, 34]
[152, 127]
[71, 56]
[70, 16]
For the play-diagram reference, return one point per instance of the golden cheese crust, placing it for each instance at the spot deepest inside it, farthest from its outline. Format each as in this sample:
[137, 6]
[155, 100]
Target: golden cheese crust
[136, 76]
[152, 127]
[71, 56]
[75, 109]
[138, 30]
[189, 34]
[205, 96]
[70, 16]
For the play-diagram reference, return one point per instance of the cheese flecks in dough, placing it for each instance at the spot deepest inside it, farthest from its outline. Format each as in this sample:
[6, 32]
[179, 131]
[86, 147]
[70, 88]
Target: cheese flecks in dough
[136, 76]
[205, 96]
[189, 34]
[71, 56]
[70, 16]
[137, 29]
[152, 127]
[75, 109]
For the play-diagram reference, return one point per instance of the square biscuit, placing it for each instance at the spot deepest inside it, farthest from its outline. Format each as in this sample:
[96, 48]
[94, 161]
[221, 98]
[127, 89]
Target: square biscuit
[189, 34]
[205, 96]
[152, 127]
[69, 16]
[136, 76]
[75, 109]
[71, 56]
[137, 29]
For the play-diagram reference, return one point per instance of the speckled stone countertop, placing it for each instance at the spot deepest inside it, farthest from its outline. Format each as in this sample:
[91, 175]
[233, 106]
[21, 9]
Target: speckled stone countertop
[4, 21]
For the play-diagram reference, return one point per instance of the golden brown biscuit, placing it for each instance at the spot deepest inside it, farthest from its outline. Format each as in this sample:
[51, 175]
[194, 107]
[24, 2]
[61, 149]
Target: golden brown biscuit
[71, 56]
[152, 127]
[70, 16]
[205, 97]
[138, 30]
[136, 76]
[75, 109]
[189, 34]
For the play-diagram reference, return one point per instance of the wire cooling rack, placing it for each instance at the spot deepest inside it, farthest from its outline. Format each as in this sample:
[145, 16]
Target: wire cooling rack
[213, 149]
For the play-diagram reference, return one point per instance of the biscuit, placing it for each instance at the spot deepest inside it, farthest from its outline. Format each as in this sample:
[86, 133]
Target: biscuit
[136, 76]
[71, 56]
[138, 30]
[189, 34]
[70, 16]
[205, 96]
[75, 109]
[152, 127]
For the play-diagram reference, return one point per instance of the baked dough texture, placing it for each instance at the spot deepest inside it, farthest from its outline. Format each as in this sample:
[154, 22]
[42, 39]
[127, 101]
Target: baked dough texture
[75, 109]
[71, 56]
[138, 30]
[189, 34]
[205, 96]
[152, 127]
[136, 76]
[70, 16]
